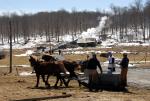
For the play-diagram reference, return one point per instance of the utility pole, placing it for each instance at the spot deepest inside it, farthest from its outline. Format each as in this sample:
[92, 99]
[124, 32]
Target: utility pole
[10, 36]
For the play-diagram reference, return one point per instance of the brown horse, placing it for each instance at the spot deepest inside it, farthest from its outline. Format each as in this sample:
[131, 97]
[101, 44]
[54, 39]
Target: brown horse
[69, 65]
[47, 68]
[48, 58]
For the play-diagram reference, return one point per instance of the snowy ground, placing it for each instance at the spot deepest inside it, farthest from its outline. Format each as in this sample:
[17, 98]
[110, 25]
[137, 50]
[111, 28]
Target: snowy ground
[140, 77]
[90, 33]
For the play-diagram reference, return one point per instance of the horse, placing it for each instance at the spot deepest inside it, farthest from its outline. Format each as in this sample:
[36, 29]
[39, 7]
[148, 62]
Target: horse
[48, 58]
[69, 65]
[47, 68]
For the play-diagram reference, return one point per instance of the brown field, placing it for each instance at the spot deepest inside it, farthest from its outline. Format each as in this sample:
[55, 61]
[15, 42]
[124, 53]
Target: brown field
[143, 53]
[21, 88]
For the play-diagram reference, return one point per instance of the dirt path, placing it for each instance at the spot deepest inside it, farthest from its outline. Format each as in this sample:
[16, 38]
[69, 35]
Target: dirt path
[21, 88]
[139, 77]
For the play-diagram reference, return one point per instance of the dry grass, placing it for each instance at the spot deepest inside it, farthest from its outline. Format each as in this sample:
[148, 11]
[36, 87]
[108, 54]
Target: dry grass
[140, 56]
[16, 60]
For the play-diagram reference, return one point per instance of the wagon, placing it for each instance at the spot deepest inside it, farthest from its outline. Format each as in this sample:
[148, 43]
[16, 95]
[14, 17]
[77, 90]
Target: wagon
[106, 81]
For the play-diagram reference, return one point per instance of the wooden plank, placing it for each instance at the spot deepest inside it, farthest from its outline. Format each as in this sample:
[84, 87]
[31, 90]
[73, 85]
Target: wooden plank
[45, 98]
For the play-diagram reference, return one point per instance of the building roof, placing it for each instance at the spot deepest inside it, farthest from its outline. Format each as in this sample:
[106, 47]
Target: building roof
[86, 40]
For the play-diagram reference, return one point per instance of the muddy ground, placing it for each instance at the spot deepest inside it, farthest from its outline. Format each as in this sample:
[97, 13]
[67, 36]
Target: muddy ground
[14, 87]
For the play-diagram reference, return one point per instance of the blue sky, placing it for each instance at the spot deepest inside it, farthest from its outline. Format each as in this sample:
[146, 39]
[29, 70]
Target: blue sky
[53, 5]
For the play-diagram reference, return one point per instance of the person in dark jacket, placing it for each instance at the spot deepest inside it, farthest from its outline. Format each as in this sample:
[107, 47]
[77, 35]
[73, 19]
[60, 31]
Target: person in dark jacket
[124, 69]
[92, 71]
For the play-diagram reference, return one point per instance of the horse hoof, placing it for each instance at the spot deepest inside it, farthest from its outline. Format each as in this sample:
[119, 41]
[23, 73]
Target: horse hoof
[55, 87]
[36, 86]
[48, 86]
[80, 84]
[66, 85]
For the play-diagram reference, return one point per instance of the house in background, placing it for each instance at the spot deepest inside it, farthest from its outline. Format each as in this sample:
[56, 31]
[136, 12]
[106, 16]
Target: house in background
[87, 42]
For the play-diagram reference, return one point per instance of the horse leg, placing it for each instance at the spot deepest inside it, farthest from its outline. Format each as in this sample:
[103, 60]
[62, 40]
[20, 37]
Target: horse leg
[63, 81]
[69, 78]
[68, 81]
[73, 75]
[37, 81]
[77, 80]
[47, 80]
[58, 78]
[43, 78]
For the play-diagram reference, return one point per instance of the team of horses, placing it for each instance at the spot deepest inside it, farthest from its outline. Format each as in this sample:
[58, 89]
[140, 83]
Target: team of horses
[53, 67]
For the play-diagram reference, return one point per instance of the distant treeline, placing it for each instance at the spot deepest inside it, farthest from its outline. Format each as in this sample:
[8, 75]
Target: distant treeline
[135, 19]
[121, 20]
[51, 24]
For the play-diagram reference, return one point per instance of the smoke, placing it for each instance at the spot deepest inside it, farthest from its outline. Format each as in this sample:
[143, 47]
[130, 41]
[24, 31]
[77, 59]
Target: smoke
[101, 24]
[92, 32]
[89, 33]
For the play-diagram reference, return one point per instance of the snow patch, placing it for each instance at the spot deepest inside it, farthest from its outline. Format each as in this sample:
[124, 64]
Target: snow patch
[26, 74]
[28, 52]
